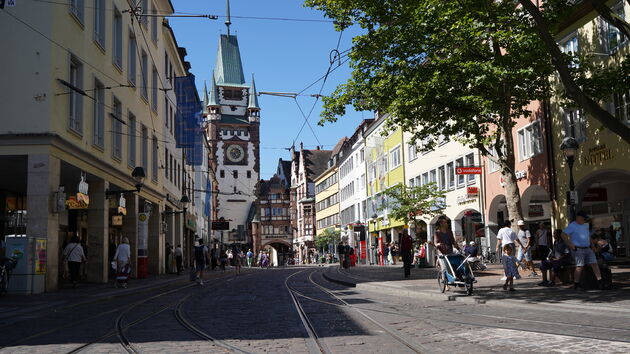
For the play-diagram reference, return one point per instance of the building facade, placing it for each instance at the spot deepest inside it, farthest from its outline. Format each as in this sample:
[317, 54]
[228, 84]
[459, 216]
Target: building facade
[273, 232]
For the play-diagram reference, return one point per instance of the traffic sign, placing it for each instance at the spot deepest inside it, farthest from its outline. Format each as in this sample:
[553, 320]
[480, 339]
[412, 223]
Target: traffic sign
[471, 170]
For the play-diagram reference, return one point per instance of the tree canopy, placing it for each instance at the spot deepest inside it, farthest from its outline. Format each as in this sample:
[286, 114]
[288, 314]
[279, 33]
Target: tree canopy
[329, 236]
[411, 202]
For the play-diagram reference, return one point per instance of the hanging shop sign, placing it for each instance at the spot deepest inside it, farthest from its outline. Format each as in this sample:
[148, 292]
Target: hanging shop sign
[82, 195]
[472, 192]
[471, 170]
[122, 205]
[73, 204]
[117, 220]
[598, 154]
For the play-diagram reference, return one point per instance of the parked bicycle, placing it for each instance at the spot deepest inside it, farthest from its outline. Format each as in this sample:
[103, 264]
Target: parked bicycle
[489, 257]
[6, 267]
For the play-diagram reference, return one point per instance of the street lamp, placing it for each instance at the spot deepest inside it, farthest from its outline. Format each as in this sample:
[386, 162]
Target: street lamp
[569, 147]
[138, 176]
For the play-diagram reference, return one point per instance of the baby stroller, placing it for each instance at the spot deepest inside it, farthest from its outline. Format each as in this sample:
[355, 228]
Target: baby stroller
[122, 275]
[455, 270]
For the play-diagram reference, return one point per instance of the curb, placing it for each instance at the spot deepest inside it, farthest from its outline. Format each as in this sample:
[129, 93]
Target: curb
[339, 281]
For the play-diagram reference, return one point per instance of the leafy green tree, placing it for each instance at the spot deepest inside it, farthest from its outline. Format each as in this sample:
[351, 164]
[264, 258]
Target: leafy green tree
[407, 203]
[464, 69]
[329, 236]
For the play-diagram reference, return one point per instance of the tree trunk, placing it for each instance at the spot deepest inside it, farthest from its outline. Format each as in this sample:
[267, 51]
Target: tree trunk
[573, 90]
[512, 192]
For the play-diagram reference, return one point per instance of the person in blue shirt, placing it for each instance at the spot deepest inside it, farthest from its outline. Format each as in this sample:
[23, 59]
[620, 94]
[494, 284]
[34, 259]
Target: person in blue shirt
[577, 237]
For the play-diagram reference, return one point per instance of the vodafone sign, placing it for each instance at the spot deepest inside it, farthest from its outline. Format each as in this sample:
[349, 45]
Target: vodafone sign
[474, 170]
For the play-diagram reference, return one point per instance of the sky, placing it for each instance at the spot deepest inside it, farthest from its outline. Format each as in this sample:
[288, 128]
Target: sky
[284, 56]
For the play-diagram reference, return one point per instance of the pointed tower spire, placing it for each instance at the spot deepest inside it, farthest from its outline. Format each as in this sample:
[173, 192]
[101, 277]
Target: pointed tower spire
[253, 96]
[213, 101]
[227, 16]
[205, 99]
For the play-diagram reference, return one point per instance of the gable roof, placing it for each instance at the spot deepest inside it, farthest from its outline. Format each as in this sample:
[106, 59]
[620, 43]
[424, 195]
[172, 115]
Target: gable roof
[228, 68]
[315, 162]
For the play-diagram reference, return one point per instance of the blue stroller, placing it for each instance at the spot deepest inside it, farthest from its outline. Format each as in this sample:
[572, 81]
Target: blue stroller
[455, 270]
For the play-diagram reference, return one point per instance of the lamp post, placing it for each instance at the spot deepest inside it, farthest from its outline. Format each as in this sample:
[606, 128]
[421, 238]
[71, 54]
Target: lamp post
[138, 176]
[569, 147]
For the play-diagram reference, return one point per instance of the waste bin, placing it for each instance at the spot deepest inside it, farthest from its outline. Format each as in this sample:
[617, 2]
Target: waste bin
[29, 275]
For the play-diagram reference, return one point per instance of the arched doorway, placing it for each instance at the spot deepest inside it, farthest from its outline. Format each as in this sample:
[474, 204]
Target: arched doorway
[279, 252]
[466, 224]
[605, 196]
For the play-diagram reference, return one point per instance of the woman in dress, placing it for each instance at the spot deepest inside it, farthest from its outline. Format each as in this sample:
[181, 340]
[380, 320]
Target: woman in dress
[122, 257]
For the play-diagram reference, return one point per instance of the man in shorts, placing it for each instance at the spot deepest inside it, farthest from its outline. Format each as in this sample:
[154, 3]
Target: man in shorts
[577, 237]
[525, 249]
[201, 254]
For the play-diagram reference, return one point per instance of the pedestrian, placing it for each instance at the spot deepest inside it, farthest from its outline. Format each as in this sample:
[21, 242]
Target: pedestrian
[506, 236]
[73, 254]
[201, 254]
[259, 258]
[444, 240]
[122, 258]
[230, 257]
[341, 249]
[525, 249]
[264, 261]
[214, 259]
[577, 237]
[542, 242]
[558, 257]
[223, 259]
[238, 260]
[394, 252]
[510, 268]
[167, 257]
[406, 250]
[179, 259]
[250, 255]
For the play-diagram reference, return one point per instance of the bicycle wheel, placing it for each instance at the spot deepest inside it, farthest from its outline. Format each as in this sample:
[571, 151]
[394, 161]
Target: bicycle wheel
[441, 279]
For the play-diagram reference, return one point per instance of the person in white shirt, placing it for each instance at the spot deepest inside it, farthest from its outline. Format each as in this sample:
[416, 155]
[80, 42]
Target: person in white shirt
[122, 257]
[507, 236]
[525, 250]
[73, 254]
[179, 258]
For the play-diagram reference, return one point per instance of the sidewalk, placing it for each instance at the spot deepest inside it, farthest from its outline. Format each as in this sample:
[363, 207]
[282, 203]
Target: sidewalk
[488, 290]
[14, 305]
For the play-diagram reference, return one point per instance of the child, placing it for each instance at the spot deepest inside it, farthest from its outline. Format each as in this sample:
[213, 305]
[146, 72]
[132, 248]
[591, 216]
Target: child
[510, 267]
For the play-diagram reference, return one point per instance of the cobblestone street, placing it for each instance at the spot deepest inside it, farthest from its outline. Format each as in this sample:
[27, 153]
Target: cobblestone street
[297, 310]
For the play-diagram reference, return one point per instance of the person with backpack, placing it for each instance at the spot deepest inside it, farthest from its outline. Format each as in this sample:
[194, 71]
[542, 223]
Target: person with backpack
[201, 253]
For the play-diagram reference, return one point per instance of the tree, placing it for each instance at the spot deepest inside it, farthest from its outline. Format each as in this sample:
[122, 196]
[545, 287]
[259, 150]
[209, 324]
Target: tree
[590, 84]
[464, 69]
[329, 236]
[407, 203]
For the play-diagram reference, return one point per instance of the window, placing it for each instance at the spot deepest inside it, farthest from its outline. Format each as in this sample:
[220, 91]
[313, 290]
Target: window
[76, 9]
[75, 118]
[460, 178]
[425, 178]
[249, 174]
[529, 141]
[171, 167]
[494, 156]
[166, 162]
[569, 46]
[470, 161]
[442, 178]
[362, 155]
[117, 39]
[116, 129]
[413, 152]
[222, 173]
[621, 101]
[395, 158]
[131, 60]
[432, 176]
[99, 22]
[154, 159]
[145, 148]
[232, 94]
[145, 9]
[131, 133]
[450, 170]
[143, 68]
[154, 89]
[235, 174]
[99, 114]
[575, 124]
[614, 37]
[154, 26]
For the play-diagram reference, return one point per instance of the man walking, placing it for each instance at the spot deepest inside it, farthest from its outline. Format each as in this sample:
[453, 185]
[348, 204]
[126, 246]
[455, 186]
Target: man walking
[525, 249]
[577, 237]
[201, 253]
[250, 255]
[179, 258]
[406, 248]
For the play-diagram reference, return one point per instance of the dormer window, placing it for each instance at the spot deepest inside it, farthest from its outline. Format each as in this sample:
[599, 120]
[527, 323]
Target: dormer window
[233, 94]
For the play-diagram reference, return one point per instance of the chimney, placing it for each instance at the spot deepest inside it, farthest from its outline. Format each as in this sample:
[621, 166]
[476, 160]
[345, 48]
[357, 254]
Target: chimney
[318, 147]
[301, 146]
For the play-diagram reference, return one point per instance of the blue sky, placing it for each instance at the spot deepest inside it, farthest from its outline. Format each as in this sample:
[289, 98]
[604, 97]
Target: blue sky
[284, 56]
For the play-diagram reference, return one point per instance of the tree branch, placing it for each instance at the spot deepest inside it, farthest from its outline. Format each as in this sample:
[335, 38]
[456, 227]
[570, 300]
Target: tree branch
[572, 89]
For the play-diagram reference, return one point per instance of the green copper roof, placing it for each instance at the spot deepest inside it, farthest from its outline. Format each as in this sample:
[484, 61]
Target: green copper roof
[228, 68]
[205, 98]
[232, 119]
[253, 95]
[213, 101]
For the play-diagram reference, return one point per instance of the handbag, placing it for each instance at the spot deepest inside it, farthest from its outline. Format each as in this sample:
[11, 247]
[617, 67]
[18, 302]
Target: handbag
[114, 265]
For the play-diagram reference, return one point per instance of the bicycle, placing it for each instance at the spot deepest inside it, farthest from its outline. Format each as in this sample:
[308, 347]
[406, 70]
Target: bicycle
[6, 266]
[489, 257]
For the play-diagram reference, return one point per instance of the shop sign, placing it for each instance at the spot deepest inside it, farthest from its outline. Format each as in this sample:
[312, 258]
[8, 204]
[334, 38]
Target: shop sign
[40, 256]
[72, 203]
[518, 174]
[122, 206]
[597, 155]
[464, 199]
[82, 195]
[472, 192]
[117, 220]
[596, 195]
[191, 223]
[472, 170]
[535, 210]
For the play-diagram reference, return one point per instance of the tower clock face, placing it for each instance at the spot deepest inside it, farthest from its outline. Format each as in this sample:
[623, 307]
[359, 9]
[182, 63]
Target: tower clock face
[235, 153]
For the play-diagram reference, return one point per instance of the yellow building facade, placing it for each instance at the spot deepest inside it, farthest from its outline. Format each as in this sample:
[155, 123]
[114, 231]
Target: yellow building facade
[327, 200]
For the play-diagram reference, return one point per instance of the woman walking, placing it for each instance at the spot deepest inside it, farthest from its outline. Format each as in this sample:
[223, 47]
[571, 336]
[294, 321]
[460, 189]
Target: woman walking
[73, 254]
[122, 256]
